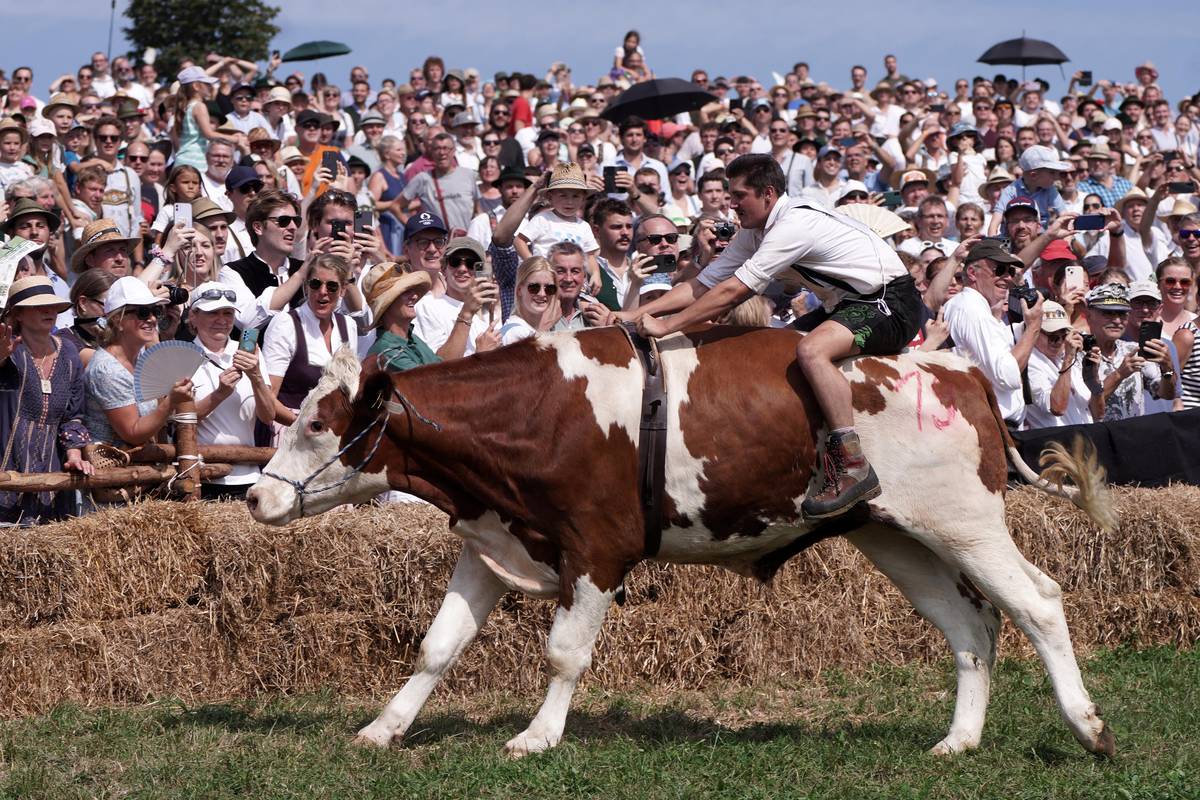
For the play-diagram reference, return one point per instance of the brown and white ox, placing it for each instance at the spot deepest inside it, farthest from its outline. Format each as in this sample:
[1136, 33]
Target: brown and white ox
[532, 451]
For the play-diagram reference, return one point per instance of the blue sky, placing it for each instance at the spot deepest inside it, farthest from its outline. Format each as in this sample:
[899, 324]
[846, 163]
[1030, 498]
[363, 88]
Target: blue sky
[938, 39]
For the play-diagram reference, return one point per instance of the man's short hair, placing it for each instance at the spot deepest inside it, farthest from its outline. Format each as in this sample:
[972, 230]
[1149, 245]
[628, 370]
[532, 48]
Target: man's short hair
[710, 125]
[760, 171]
[93, 174]
[264, 205]
[929, 201]
[608, 207]
[107, 121]
[648, 171]
[563, 249]
[526, 81]
[713, 175]
[330, 198]
[630, 123]
[220, 143]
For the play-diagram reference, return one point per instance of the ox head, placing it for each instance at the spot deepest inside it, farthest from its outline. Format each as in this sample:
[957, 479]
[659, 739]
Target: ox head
[306, 476]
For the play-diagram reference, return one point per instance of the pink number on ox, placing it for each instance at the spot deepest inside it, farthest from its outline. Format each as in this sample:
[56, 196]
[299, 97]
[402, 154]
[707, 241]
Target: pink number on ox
[941, 423]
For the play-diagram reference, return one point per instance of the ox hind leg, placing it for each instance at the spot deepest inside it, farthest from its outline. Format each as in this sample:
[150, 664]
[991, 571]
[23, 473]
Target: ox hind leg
[969, 622]
[584, 602]
[987, 555]
[472, 594]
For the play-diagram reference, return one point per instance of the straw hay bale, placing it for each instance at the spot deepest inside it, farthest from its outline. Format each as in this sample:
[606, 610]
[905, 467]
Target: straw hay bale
[198, 602]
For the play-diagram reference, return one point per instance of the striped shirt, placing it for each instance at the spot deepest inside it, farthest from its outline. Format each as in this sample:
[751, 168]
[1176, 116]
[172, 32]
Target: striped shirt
[1189, 375]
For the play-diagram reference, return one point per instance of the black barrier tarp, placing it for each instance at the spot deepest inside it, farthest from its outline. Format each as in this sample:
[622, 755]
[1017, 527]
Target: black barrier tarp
[1154, 450]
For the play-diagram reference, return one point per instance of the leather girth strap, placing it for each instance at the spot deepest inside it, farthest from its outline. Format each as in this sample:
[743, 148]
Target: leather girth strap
[652, 439]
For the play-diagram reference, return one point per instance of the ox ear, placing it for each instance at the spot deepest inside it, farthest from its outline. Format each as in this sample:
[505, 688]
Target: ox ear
[376, 388]
[343, 370]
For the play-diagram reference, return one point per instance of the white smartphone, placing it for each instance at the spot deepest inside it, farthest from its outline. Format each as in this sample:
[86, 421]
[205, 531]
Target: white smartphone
[183, 215]
[1075, 278]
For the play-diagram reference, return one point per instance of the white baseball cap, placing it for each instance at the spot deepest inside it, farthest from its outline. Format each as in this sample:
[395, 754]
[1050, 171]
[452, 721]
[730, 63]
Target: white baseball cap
[1054, 317]
[1041, 157]
[212, 296]
[129, 291]
[41, 127]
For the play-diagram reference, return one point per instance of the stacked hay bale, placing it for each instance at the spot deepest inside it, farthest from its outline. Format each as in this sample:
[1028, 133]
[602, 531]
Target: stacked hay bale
[198, 602]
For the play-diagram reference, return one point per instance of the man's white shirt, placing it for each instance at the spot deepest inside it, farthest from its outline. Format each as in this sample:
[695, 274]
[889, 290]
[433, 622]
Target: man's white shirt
[987, 341]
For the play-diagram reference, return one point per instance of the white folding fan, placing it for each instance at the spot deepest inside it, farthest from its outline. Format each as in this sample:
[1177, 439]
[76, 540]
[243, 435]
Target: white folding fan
[885, 223]
[162, 365]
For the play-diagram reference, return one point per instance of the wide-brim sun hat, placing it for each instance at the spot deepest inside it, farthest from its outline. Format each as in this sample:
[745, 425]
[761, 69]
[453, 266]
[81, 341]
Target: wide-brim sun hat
[567, 176]
[28, 207]
[34, 291]
[386, 282]
[97, 234]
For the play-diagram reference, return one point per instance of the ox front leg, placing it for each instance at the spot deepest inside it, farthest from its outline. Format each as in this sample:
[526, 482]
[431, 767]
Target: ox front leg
[473, 592]
[569, 652]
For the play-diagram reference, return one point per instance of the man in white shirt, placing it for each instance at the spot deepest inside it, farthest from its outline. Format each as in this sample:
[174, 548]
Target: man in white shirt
[1142, 255]
[268, 280]
[219, 158]
[633, 140]
[465, 319]
[102, 80]
[978, 326]
[931, 221]
[1058, 395]
[870, 304]
[826, 178]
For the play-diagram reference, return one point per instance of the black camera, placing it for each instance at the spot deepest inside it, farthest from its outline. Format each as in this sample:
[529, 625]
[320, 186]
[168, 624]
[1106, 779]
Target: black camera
[1019, 293]
[724, 230]
[176, 295]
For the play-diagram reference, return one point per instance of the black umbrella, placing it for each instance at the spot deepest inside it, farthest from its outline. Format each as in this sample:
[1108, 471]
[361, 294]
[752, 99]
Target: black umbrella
[311, 51]
[1023, 51]
[656, 99]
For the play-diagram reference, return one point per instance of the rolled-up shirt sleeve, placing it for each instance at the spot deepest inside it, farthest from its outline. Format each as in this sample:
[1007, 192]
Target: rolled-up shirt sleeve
[784, 245]
[975, 335]
[740, 248]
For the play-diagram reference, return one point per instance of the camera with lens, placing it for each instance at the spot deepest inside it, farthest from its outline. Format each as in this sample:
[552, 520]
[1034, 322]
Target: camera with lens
[1019, 293]
[724, 230]
[176, 295]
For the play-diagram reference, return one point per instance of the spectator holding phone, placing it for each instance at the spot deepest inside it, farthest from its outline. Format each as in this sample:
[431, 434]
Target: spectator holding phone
[464, 319]
[1118, 372]
[1058, 395]
[536, 312]
[1175, 282]
[231, 388]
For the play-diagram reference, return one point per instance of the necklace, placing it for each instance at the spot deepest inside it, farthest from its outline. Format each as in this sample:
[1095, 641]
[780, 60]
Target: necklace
[45, 368]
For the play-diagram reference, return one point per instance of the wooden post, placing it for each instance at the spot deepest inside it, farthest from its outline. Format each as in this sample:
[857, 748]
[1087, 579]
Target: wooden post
[187, 453]
[114, 477]
[155, 453]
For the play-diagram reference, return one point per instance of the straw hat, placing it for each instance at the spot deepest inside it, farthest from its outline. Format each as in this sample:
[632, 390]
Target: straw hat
[11, 124]
[999, 175]
[291, 153]
[386, 282]
[97, 233]
[60, 100]
[900, 179]
[1135, 193]
[263, 135]
[1181, 208]
[567, 176]
[34, 291]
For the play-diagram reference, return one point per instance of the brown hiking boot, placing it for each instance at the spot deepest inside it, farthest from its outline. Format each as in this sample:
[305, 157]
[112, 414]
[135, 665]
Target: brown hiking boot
[849, 479]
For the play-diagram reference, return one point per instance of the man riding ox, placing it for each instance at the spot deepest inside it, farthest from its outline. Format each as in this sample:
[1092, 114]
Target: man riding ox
[870, 305]
[542, 481]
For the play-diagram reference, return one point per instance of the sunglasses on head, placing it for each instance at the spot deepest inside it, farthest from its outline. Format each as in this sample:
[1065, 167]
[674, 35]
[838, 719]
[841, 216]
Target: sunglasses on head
[1189, 233]
[215, 294]
[315, 284]
[537, 288]
[143, 313]
[657, 238]
[460, 260]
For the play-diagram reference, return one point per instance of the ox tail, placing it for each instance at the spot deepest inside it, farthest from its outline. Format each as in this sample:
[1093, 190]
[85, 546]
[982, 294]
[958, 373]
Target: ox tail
[1080, 465]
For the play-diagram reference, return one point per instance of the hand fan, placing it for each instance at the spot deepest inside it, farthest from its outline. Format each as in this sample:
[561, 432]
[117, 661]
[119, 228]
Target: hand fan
[885, 223]
[162, 365]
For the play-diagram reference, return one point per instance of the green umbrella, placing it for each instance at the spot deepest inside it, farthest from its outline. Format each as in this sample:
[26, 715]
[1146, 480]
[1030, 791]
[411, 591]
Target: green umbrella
[310, 51]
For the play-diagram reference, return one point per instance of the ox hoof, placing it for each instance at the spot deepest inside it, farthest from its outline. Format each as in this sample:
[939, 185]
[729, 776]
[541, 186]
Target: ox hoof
[1105, 744]
[952, 745]
[369, 738]
[525, 743]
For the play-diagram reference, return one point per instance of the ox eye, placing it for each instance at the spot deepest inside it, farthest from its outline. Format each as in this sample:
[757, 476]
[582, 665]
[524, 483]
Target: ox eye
[316, 426]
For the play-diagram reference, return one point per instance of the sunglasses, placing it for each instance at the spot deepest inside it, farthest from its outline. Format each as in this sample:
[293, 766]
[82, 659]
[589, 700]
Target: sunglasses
[657, 238]
[592, 123]
[1060, 336]
[315, 284]
[537, 288]
[491, 142]
[310, 126]
[136, 159]
[108, 137]
[90, 106]
[143, 313]
[575, 130]
[499, 112]
[457, 260]
[779, 130]
[647, 189]
[285, 220]
[250, 188]
[1189, 233]
[424, 243]
[724, 151]
[1183, 283]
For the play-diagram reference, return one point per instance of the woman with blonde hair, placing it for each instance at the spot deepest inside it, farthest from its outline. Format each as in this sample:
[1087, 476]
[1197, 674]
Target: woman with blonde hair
[535, 310]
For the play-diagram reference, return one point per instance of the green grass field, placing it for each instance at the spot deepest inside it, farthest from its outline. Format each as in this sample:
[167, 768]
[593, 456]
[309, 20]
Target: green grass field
[855, 736]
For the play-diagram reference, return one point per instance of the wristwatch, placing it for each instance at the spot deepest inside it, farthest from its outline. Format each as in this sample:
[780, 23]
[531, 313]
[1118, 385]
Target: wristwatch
[1119, 232]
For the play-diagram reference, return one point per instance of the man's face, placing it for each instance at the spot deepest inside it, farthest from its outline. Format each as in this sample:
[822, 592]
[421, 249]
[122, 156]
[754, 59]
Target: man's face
[219, 229]
[34, 228]
[441, 152]
[1106, 326]
[931, 222]
[1099, 166]
[112, 257]
[10, 146]
[136, 156]
[121, 70]
[277, 237]
[858, 77]
[1031, 101]
[569, 275]
[108, 141]
[1040, 178]
[62, 119]
[147, 74]
[1133, 211]
[425, 250]
[511, 191]
[648, 184]
[1189, 241]
[1052, 344]
[1142, 309]
[616, 233]
[830, 165]
[499, 118]
[310, 133]
[91, 193]
[1023, 226]
[912, 193]
[1025, 139]
[241, 102]
[889, 63]
[220, 160]
[100, 64]
[779, 133]
[1162, 115]
[712, 195]
[708, 139]
[1045, 132]
[752, 208]
[742, 88]
[242, 196]
[700, 79]
[360, 92]
[633, 140]
[373, 132]
[992, 280]
[856, 160]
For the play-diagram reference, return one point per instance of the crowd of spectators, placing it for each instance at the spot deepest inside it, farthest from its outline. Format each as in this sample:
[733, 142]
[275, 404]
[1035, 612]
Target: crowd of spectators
[1054, 235]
